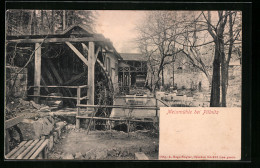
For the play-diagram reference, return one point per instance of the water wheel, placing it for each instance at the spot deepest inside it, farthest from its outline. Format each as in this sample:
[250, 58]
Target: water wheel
[104, 90]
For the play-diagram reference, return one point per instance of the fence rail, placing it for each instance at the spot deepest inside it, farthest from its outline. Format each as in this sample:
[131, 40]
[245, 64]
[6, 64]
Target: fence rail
[78, 98]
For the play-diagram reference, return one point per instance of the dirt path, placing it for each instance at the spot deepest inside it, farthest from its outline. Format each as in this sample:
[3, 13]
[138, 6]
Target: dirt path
[104, 145]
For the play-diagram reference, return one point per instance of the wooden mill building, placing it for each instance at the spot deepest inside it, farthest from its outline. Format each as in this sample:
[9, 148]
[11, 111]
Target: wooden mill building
[132, 71]
[65, 65]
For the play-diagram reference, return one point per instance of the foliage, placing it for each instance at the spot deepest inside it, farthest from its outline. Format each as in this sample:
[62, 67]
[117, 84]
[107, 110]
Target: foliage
[28, 22]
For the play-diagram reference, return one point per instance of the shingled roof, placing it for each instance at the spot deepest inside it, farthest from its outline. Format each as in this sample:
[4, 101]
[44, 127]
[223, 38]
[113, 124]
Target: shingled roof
[133, 57]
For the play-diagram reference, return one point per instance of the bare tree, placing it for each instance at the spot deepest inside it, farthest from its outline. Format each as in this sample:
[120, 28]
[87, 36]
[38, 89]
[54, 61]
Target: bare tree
[221, 59]
[158, 36]
[170, 34]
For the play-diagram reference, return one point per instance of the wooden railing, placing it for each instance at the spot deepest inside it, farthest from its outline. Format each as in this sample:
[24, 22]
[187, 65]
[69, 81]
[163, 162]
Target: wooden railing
[78, 98]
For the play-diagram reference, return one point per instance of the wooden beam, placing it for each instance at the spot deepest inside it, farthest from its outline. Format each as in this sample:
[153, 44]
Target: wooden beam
[11, 122]
[74, 78]
[120, 106]
[60, 86]
[76, 51]
[58, 97]
[57, 40]
[78, 109]
[85, 47]
[91, 73]
[47, 72]
[116, 119]
[60, 81]
[55, 72]
[37, 71]
[44, 83]
[96, 54]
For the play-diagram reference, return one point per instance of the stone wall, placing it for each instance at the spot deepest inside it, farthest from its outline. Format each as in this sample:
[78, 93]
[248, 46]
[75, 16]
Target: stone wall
[188, 80]
[20, 86]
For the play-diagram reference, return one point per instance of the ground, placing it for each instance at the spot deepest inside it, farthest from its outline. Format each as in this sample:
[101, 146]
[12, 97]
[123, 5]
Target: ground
[105, 145]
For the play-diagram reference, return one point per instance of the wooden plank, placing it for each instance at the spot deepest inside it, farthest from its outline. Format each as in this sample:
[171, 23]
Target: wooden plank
[28, 149]
[37, 70]
[76, 51]
[34, 149]
[140, 156]
[11, 122]
[57, 40]
[15, 149]
[43, 145]
[21, 149]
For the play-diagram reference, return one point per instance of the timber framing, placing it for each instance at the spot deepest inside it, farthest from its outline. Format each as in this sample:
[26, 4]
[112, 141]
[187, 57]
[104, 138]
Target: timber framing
[57, 73]
[74, 49]
[58, 40]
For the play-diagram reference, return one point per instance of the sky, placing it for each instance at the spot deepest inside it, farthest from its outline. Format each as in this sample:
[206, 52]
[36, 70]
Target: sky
[119, 27]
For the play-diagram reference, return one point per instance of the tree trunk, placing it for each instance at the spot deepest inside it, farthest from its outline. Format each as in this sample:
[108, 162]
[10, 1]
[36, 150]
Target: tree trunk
[151, 80]
[224, 73]
[224, 83]
[173, 74]
[63, 20]
[35, 28]
[30, 23]
[162, 76]
[215, 87]
[52, 21]
[21, 22]
[42, 25]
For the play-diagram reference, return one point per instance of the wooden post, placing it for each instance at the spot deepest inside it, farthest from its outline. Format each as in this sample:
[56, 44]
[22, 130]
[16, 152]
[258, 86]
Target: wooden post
[91, 73]
[78, 108]
[156, 107]
[37, 71]
[128, 127]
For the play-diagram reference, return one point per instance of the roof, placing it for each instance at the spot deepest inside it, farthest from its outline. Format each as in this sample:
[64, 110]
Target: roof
[81, 29]
[86, 29]
[133, 57]
[78, 29]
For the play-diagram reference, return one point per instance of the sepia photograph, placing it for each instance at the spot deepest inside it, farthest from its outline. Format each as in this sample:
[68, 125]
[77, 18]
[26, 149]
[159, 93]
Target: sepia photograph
[92, 84]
